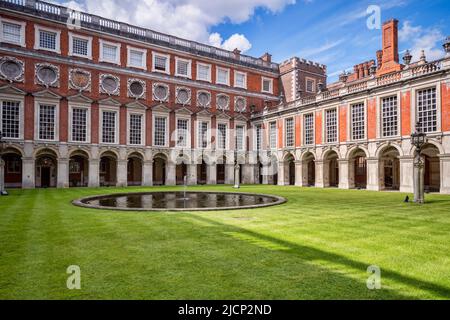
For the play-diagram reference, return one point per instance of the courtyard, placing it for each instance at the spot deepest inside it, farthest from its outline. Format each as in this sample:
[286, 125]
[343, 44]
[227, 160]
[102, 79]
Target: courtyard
[317, 245]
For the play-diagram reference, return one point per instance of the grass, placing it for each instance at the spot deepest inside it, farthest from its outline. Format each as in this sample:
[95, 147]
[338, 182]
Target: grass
[316, 246]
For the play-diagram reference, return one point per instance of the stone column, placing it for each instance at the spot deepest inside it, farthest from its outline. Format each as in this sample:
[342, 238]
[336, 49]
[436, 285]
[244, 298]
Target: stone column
[281, 175]
[171, 174]
[344, 182]
[191, 174]
[248, 173]
[94, 173]
[229, 173]
[299, 173]
[121, 173]
[326, 173]
[62, 173]
[373, 174]
[419, 177]
[211, 173]
[445, 173]
[237, 169]
[319, 174]
[28, 174]
[147, 173]
[265, 169]
[304, 173]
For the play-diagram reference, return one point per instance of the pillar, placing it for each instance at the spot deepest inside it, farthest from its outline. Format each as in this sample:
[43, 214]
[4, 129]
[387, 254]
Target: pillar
[319, 174]
[211, 173]
[299, 173]
[248, 173]
[94, 173]
[373, 174]
[121, 173]
[445, 173]
[265, 170]
[344, 169]
[419, 177]
[304, 175]
[171, 174]
[147, 173]
[281, 175]
[2, 175]
[62, 173]
[192, 174]
[229, 173]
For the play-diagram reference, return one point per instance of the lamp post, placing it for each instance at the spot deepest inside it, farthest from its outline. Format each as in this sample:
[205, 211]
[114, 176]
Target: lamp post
[418, 139]
[2, 168]
[236, 170]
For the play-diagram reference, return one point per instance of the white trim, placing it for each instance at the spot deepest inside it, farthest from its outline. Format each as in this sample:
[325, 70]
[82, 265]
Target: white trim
[22, 25]
[438, 104]
[166, 137]
[167, 56]
[209, 74]
[100, 125]
[227, 132]
[74, 105]
[314, 85]
[143, 122]
[143, 65]
[271, 85]
[89, 45]
[293, 131]
[189, 134]
[269, 146]
[324, 125]
[197, 132]
[379, 127]
[21, 100]
[227, 70]
[244, 135]
[303, 126]
[189, 68]
[37, 40]
[45, 101]
[115, 44]
[245, 79]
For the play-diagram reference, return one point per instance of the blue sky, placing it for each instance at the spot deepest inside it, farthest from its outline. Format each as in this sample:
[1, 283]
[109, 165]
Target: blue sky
[332, 32]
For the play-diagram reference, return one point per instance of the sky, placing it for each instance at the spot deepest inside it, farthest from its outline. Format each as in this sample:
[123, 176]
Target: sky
[337, 33]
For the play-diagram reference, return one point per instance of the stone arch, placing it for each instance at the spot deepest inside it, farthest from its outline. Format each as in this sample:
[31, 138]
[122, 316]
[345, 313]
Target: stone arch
[221, 169]
[308, 168]
[46, 164]
[135, 163]
[46, 150]
[160, 162]
[357, 167]
[433, 142]
[381, 148]
[13, 168]
[78, 168]
[432, 170]
[329, 151]
[289, 169]
[350, 152]
[289, 155]
[108, 168]
[14, 149]
[389, 166]
[331, 168]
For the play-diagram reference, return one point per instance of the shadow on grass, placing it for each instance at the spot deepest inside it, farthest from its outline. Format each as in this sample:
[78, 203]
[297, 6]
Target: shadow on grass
[312, 254]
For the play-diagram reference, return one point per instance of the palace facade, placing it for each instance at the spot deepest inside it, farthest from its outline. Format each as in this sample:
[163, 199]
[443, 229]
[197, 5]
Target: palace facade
[88, 101]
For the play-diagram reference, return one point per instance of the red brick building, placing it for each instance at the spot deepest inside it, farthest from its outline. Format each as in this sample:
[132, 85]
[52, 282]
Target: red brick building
[88, 101]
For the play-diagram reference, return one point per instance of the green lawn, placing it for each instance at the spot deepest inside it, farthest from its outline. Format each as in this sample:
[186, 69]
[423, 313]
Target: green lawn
[316, 246]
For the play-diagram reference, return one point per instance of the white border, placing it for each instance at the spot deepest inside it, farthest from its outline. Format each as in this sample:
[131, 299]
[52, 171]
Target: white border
[22, 25]
[143, 65]
[115, 44]
[89, 45]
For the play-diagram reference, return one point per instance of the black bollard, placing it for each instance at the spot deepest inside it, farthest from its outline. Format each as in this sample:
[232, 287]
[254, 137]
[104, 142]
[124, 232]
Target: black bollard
[406, 199]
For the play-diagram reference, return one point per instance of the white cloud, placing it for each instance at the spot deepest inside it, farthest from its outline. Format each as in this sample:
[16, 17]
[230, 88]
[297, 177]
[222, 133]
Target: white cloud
[190, 19]
[419, 38]
[236, 41]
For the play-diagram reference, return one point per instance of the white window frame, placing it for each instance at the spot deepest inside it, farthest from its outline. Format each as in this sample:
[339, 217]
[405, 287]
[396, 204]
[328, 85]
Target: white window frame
[313, 87]
[37, 103]
[157, 54]
[414, 115]
[88, 121]
[227, 70]
[143, 65]
[115, 44]
[244, 135]
[255, 137]
[37, 40]
[189, 68]
[22, 25]
[271, 85]
[209, 74]
[285, 132]
[141, 113]
[379, 132]
[208, 133]
[100, 126]
[89, 45]
[350, 119]
[21, 100]
[227, 137]
[166, 138]
[325, 128]
[276, 135]
[303, 126]
[245, 79]
[188, 142]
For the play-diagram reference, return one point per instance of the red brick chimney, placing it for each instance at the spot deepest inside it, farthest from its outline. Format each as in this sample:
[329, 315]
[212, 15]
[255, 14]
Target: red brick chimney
[266, 57]
[389, 58]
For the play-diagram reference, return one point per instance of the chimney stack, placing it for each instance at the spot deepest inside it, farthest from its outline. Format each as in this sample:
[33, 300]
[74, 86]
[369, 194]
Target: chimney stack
[389, 58]
[267, 57]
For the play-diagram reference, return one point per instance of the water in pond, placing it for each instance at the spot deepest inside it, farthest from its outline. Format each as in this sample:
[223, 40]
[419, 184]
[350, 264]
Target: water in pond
[179, 201]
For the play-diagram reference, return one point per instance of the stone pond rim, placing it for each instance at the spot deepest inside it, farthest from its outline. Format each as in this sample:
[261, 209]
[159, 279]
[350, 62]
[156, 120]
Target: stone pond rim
[83, 202]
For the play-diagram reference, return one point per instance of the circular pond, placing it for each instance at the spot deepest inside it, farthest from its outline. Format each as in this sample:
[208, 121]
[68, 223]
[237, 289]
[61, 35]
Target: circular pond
[179, 201]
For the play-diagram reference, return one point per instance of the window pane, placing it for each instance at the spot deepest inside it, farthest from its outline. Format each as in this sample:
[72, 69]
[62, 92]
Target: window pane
[358, 121]
[160, 63]
[203, 134]
[135, 129]
[309, 128]
[331, 125]
[222, 76]
[267, 85]
[109, 53]
[47, 115]
[427, 109]
[222, 135]
[109, 127]
[182, 67]
[290, 132]
[240, 80]
[182, 132]
[273, 135]
[240, 137]
[203, 72]
[160, 131]
[47, 39]
[11, 119]
[80, 46]
[389, 116]
[259, 137]
[79, 124]
[136, 58]
[11, 32]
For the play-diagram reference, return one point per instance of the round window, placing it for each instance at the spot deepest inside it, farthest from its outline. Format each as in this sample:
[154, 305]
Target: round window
[203, 99]
[80, 79]
[110, 84]
[240, 105]
[136, 89]
[222, 102]
[161, 92]
[11, 69]
[183, 96]
[47, 75]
